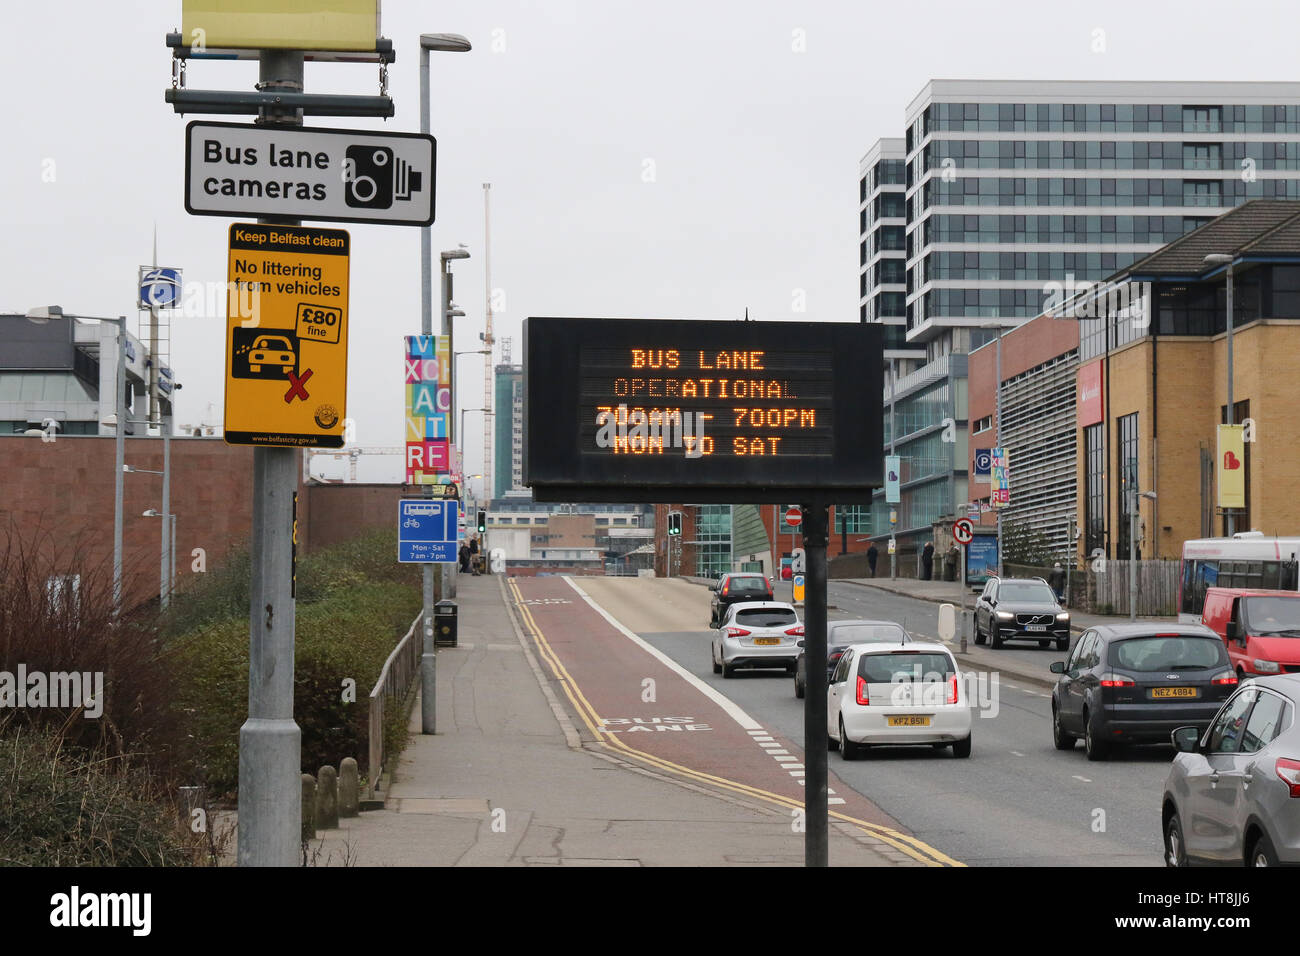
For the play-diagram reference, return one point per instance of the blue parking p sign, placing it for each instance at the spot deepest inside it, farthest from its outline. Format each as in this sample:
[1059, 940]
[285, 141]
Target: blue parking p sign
[426, 530]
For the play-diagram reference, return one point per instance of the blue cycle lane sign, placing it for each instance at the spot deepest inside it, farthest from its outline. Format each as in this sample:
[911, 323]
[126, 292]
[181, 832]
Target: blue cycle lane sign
[426, 529]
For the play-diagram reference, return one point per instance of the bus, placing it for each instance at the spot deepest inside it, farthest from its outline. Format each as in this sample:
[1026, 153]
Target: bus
[1246, 560]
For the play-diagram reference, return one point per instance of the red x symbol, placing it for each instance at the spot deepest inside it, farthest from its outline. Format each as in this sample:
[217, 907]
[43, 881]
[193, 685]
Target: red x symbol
[296, 389]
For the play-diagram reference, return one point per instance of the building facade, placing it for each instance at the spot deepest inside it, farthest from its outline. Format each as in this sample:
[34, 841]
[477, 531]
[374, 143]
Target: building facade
[1014, 191]
[508, 440]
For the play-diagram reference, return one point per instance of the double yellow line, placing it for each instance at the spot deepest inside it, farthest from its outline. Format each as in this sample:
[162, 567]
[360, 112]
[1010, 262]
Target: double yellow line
[916, 849]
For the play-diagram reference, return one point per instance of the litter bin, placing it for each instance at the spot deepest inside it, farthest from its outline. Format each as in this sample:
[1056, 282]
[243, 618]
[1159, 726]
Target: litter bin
[444, 624]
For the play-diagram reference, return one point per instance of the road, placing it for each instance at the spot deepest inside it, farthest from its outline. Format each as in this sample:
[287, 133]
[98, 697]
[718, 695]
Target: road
[1016, 801]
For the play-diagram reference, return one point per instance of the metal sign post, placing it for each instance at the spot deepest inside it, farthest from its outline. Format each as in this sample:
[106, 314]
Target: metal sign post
[270, 742]
[816, 537]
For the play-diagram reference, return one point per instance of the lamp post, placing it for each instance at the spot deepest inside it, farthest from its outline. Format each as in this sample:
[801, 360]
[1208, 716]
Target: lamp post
[446, 43]
[1133, 497]
[40, 316]
[1221, 259]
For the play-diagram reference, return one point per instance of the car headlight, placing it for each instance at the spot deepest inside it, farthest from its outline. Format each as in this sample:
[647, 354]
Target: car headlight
[1005, 615]
[1063, 616]
[1267, 667]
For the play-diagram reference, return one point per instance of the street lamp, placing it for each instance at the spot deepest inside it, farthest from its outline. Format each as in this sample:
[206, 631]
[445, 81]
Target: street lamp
[1221, 259]
[1134, 495]
[42, 314]
[997, 414]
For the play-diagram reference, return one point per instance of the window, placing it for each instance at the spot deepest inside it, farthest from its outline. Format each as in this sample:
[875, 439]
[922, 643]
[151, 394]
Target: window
[1266, 722]
[1226, 733]
[983, 425]
[1094, 489]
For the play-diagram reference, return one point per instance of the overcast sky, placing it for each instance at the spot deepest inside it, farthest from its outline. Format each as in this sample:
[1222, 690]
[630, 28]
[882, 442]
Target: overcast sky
[669, 159]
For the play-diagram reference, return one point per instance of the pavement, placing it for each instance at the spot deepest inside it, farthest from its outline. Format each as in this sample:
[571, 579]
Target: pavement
[984, 657]
[510, 779]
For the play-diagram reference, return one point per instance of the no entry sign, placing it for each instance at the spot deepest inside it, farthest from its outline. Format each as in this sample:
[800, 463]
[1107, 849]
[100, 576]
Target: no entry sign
[793, 517]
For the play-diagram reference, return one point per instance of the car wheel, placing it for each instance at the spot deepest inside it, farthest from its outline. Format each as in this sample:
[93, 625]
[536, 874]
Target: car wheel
[1045, 644]
[995, 637]
[798, 689]
[832, 743]
[1062, 740]
[848, 749]
[1093, 745]
[1175, 848]
[1062, 643]
[979, 635]
[727, 670]
[1261, 852]
[717, 668]
[961, 748]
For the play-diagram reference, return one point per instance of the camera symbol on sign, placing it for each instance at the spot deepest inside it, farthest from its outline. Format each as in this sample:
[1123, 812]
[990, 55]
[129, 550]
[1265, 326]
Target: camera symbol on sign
[373, 177]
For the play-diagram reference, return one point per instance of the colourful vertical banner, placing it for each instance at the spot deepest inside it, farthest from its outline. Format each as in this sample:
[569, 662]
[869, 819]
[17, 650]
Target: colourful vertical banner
[1232, 466]
[893, 468]
[1000, 479]
[428, 409]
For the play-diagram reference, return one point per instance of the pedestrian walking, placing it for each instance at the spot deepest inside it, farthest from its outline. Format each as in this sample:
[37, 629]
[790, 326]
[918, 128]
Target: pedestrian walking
[1056, 579]
[872, 556]
[927, 562]
[464, 557]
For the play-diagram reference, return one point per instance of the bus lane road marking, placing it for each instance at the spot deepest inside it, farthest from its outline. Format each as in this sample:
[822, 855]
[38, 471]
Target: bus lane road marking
[633, 747]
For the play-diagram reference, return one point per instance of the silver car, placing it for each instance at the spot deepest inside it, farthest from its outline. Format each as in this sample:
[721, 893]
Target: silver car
[756, 634]
[1233, 794]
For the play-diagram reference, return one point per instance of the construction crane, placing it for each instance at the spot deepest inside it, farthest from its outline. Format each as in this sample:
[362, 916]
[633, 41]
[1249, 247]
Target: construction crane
[488, 341]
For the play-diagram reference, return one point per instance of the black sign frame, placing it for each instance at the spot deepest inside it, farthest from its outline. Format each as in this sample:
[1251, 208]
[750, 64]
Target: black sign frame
[562, 463]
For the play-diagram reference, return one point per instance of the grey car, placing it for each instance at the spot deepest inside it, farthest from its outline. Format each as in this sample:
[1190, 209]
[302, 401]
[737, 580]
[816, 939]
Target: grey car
[1232, 796]
[841, 635]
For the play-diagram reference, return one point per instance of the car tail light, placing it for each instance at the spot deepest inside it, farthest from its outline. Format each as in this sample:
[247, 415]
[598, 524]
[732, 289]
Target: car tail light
[1289, 771]
[796, 631]
[951, 698]
[725, 588]
[1115, 680]
[834, 656]
[1227, 677]
[738, 632]
[864, 695]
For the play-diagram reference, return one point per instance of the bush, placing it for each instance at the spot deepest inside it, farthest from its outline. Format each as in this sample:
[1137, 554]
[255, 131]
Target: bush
[70, 627]
[354, 603]
[62, 807]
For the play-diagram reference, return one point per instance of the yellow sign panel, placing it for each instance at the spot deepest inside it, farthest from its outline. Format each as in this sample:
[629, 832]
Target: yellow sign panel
[280, 24]
[287, 336]
[1232, 466]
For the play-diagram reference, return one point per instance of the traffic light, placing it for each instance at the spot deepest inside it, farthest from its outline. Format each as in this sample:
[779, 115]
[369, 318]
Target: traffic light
[482, 522]
[674, 523]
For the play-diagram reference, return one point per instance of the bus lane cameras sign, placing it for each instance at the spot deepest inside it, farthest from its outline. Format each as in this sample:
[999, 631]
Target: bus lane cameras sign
[287, 336]
[341, 175]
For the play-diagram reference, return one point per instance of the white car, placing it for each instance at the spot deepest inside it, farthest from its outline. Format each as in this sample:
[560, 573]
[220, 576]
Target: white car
[897, 694]
[756, 634]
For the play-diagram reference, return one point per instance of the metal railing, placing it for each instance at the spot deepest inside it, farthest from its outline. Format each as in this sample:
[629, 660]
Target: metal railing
[395, 680]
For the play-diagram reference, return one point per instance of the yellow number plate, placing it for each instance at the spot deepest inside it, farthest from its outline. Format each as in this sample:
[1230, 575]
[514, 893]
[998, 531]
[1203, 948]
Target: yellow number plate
[909, 721]
[1173, 692]
[767, 640]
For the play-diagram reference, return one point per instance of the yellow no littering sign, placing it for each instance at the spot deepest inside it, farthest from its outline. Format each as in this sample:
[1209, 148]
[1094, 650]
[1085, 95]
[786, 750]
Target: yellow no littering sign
[286, 336]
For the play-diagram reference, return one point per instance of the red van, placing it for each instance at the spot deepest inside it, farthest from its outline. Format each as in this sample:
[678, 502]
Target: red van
[1261, 628]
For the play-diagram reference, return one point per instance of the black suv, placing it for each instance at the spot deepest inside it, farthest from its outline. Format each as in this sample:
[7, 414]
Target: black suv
[734, 588]
[1021, 609]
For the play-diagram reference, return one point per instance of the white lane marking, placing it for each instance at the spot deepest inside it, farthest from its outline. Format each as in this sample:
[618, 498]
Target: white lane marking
[793, 766]
[787, 759]
[771, 746]
[758, 733]
[1084, 779]
[764, 737]
[775, 752]
[835, 800]
[735, 713]
[796, 773]
[1016, 753]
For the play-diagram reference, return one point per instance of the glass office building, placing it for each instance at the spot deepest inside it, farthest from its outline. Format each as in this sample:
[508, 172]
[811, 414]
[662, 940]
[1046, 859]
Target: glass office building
[999, 194]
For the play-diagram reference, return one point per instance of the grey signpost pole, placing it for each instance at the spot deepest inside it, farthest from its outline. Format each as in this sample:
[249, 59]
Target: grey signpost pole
[164, 592]
[816, 536]
[429, 655]
[270, 751]
[119, 454]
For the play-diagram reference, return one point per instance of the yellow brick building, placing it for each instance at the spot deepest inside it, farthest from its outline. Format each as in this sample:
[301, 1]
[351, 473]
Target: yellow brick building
[1153, 381]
